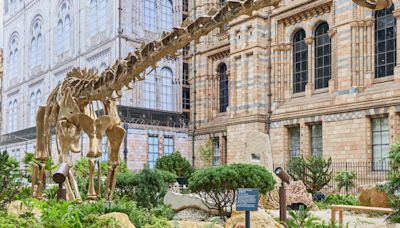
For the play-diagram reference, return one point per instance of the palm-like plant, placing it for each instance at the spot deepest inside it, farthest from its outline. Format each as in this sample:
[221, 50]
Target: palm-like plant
[345, 179]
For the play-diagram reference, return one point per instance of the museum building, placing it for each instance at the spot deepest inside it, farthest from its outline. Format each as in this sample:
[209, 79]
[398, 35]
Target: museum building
[333, 87]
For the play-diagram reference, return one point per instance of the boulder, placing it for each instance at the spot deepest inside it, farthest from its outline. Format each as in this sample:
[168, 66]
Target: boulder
[371, 196]
[17, 208]
[121, 218]
[193, 224]
[259, 219]
[296, 193]
[180, 202]
[191, 214]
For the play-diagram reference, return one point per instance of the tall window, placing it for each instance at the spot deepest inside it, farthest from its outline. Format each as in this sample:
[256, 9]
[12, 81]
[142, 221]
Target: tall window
[93, 17]
[14, 115]
[322, 56]
[150, 90]
[102, 15]
[150, 12]
[166, 92]
[10, 116]
[153, 150]
[216, 153]
[299, 62]
[13, 60]
[380, 143]
[167, 17]
[36, 44]
[104, 149]
[294, 142]
[316, 140]
[385, 42]
[64, 33]
[186, 98]
[168, 145]
[223, 87]
[34, 103]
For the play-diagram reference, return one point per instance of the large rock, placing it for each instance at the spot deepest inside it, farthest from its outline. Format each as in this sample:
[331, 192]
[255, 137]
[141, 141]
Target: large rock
[17, 208]
[121, 218]
[180, 202]
[296, 193]
[193, 224]
[371, 196]
[191, 214]
[258, 219]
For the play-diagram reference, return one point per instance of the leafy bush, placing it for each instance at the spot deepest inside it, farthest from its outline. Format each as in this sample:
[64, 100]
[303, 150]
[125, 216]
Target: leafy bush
[125, 184]
[217, 185]
[7, 220]
[314, 172]
[343, 199]
[394, 181]
[51, 193]
[10, 178]
[176, 164]
[168, 177]
[206, 152]
[150, 189]
[303, 218]
[345, 179]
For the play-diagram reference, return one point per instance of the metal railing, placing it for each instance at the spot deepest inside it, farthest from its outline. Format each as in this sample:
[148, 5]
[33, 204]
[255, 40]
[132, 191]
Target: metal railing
[368, 173]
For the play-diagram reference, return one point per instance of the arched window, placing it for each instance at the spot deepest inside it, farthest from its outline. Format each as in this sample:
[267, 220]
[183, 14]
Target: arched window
[223, 87]
[64, 32]
[167, 17]
[14, 115]
[36, 43]
[150, 90]
[166, 91]
[322, 56]
[385, 42]
[13, 58]
[10, 116]
[32, 107]
[102, 67]
[299, 62]
[93, 17]
[150, 12]
[102, 15]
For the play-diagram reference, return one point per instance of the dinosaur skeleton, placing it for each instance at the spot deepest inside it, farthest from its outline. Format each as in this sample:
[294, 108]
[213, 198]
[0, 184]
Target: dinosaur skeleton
[69, 107]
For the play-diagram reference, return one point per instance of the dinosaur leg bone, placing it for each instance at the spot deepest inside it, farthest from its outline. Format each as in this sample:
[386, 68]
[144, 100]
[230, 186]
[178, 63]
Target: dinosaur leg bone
[115, 136]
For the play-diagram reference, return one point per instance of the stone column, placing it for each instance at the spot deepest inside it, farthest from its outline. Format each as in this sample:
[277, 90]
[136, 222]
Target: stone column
[304, 138]
[333, 81]
[393, 122]
[396, 14]
[310, 70]
[369, 75]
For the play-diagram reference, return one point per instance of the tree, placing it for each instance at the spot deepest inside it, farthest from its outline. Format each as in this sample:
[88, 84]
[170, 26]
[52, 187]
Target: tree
[394, 181]
[10, 176]
[206, 152]
[175, 163]
[314, 172]
[345, 179]
[217, 185]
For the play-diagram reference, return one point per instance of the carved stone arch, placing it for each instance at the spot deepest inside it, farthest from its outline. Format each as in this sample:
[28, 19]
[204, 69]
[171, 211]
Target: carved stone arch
[60, 4]
[317, 23]
[294, 31]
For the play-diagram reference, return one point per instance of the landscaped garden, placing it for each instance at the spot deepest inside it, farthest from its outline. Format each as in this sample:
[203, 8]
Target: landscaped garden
[153, 198]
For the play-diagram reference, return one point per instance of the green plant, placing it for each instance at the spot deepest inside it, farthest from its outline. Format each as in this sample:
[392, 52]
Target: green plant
[51, 193]
[125, 185]
[314, 171]
[168, 177]
[304, 219]
[337, 199]
[150, 189]
[217, 185]
[394, 181]
[345, 179]
[10, 178]
[206, 152]
[176, 164]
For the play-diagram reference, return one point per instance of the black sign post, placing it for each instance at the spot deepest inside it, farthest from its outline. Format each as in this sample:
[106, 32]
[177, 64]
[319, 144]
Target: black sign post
[247, 200]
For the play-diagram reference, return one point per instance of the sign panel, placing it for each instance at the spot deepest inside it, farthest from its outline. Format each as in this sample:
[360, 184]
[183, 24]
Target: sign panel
[247, 199]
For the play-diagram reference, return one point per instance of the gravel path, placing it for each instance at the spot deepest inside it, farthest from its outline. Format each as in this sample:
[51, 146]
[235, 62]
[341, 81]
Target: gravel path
[352, 219]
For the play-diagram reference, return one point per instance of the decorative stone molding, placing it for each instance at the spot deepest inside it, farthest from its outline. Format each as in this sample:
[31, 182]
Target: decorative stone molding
[309, 40]
[305, 12]
[332, 32]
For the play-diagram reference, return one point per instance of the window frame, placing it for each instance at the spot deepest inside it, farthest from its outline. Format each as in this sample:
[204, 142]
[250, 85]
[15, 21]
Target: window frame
[223, 78]
[169, 142]
[300, 51]
[153, 150]
[319, 150]
[323, 56]
[293, 152]
[216, 152]
[384, 165]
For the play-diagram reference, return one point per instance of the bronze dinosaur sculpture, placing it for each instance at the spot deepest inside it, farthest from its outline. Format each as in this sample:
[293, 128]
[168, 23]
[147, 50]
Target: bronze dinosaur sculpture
[69, 107]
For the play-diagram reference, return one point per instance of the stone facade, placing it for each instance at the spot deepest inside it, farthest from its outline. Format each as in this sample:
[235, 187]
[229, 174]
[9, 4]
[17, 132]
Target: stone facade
[349, 108]
[45, 39]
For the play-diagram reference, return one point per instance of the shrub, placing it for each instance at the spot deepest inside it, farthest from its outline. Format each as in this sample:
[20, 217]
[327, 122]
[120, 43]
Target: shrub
[168, 177]
[344, 199]
[176, 164]
[217, 185]
[150, 189]
[314, 172]
[10, 178]
[394, 181]
[345, 179]
[206, 152]
[125, 184]
[303, 218]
